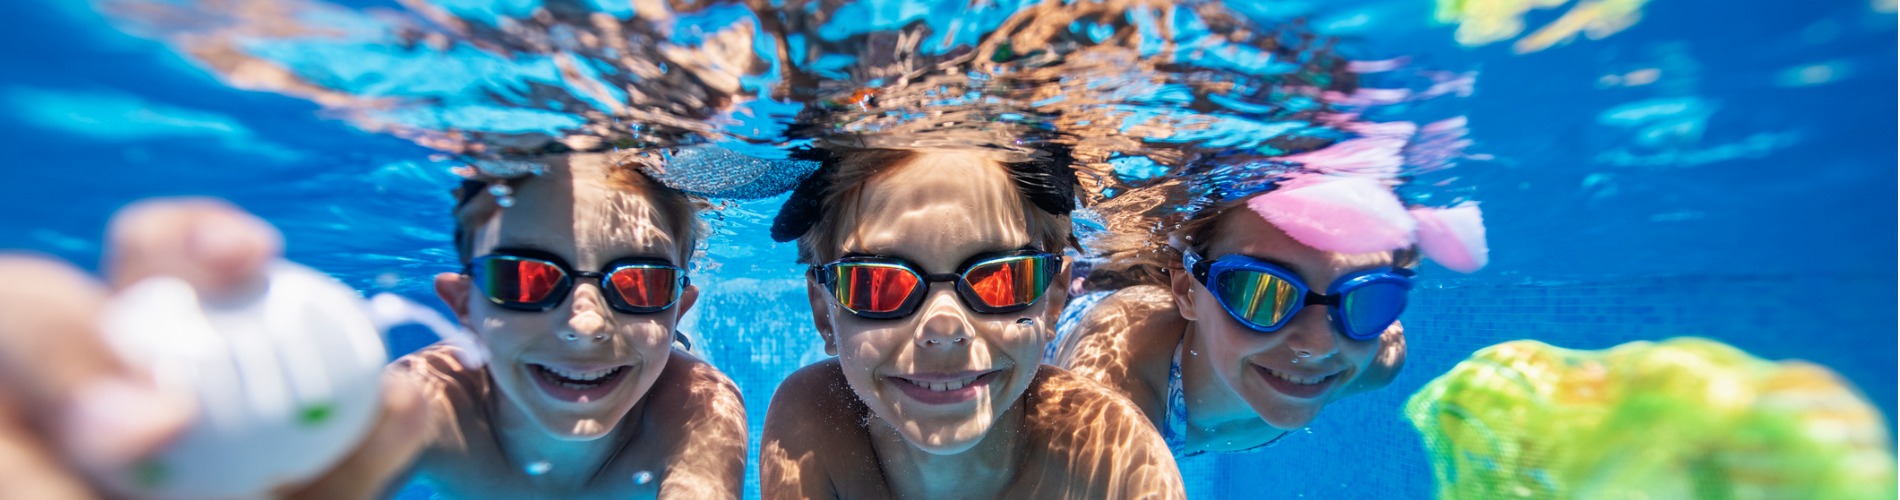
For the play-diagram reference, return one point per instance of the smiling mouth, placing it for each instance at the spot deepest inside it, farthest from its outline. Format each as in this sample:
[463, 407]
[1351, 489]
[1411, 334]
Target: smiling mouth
[1296, 385]
[944, 389]
[577, 386]
[1298, 380]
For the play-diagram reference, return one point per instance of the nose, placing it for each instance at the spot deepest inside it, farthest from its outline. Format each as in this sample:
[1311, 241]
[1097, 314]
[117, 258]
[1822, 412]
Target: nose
[1310, 334]
[588, 316]
[943, 323]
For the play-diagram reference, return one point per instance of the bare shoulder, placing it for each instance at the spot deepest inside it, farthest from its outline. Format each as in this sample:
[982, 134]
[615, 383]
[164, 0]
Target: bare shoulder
[695, 417]
[819, 388]
[697, 390]
[814, 407]
[1059, 399]
[441, 364]
[1094, 443]
[453, 388]
[1126, 341]
[815, 443]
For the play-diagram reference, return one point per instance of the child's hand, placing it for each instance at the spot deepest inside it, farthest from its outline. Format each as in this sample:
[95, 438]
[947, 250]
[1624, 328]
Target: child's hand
[68, 402]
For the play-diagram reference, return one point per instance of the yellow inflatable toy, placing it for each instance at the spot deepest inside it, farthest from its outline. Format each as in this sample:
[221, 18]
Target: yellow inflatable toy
[1683, 418]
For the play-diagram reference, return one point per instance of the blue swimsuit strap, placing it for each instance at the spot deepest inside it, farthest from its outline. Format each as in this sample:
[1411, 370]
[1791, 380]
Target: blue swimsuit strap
[1174, 427]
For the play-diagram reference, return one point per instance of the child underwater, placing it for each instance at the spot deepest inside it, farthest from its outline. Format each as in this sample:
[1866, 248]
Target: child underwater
[933, 391]
[937, 390]
[1228, 354]
[573, 290]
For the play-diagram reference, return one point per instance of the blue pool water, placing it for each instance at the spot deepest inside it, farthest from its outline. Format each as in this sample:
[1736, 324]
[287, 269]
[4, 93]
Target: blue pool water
[1718, 169]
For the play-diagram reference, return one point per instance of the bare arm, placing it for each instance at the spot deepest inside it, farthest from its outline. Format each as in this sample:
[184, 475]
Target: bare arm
[1099, 445]
[69, 408]
[1126, 342]
[814, 436]
[710, 461]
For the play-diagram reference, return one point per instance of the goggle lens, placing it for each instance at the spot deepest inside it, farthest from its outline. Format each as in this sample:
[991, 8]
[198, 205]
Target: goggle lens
[516, 279]
[1370, 309]
[866, 287]
[1010, 282]
[1263, 299]
[645, 287]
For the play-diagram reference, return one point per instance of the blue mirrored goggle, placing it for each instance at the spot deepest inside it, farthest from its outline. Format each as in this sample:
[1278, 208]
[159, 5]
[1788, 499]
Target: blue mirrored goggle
[1265, 296]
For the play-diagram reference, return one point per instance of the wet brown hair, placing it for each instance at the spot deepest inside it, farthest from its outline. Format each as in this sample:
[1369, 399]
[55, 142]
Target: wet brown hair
[828, 203]
[679, 211]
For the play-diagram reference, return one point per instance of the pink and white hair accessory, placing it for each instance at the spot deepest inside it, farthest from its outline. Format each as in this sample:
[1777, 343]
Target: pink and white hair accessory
[1453, 236]
[1357, 214]
[1348, 214]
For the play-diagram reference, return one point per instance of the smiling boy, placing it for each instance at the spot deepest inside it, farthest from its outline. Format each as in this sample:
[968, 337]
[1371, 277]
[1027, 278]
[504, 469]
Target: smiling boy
[574, 291]
[936, 277]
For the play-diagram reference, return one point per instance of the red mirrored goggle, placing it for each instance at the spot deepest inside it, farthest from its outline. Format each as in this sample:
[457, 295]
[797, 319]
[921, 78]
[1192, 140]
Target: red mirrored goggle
[887, 287]
[526, 280]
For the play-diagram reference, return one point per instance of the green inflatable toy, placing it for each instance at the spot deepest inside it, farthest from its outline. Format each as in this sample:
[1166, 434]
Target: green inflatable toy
[1684, 418]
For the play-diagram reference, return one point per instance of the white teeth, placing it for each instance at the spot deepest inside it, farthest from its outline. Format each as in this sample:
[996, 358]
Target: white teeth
[944, 386]
[1296, 380]
[581, 376]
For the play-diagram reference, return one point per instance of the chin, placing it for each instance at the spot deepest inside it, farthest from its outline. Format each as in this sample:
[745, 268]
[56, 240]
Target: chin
[1286, 416]
[949, 439]
[574, 428]
[1291, 423]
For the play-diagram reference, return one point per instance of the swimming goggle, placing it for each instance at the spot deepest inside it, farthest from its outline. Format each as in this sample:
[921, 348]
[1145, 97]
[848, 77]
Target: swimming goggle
[530, 280]
[1265, 297]
[889, 287]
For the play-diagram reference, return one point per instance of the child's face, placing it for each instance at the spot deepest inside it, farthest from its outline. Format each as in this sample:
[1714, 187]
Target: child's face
[571, 213]
[937, 212]
[1256, 365]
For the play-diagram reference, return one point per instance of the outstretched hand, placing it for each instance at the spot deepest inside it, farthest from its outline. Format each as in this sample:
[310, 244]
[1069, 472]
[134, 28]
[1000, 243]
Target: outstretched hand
[72, 412]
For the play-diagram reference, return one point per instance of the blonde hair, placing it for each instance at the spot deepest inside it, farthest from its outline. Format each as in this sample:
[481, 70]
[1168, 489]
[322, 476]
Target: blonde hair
[849, 172]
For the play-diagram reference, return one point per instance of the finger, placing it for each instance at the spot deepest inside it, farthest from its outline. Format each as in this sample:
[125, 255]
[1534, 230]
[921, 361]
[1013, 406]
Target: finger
[64, 379]
[30, 469]
[207, 242]
[388, 450]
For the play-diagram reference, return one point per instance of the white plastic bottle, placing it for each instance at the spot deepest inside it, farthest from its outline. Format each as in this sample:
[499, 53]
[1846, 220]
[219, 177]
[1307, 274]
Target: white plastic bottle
[287, 380]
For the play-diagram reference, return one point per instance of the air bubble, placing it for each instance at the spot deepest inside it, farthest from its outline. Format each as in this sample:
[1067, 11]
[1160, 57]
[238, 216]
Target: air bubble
[539, 467]
[642, 477]
[504, 195]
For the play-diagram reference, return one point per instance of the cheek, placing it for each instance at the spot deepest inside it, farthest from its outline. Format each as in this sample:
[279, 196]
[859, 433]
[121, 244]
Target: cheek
[863, 347]
[1360, 353]
[1232, 344]
[505, 331]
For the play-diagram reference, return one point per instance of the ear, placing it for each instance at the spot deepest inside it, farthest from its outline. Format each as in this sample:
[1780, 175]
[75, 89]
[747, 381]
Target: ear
[688, 297]
[821, 315]
[1183, 285]
[453, 288]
